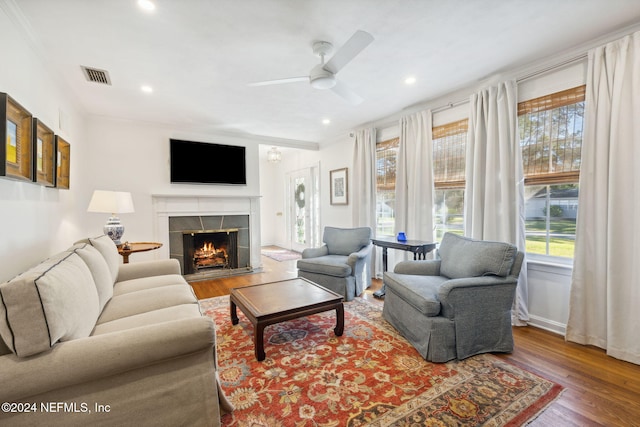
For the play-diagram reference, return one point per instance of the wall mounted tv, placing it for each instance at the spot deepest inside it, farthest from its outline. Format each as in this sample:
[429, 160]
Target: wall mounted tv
[204, 163]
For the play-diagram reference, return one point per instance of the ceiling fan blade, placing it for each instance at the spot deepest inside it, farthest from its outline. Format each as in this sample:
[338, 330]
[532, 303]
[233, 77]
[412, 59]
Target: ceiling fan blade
[347, 94]
[281, 81]
[348, 51]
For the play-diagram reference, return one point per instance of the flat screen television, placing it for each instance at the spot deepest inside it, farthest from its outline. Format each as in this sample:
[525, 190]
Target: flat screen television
[204, 163]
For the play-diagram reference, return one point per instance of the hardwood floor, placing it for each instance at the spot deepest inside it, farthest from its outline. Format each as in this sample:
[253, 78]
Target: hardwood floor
[599, 390]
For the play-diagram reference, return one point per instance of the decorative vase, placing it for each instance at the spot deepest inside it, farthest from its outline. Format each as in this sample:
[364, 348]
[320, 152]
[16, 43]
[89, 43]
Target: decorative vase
[114, 229]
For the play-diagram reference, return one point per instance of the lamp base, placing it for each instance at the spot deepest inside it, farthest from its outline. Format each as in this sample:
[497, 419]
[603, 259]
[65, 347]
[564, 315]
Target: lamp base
[114, 229]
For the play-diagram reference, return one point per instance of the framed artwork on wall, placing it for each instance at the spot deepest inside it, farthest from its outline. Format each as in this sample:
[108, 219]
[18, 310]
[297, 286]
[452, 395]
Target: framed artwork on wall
[339, 186]
[62, 163]
[44, 160]
[16, 130]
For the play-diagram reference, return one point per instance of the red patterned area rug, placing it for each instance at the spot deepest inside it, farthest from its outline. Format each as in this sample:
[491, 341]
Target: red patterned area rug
[369, 376]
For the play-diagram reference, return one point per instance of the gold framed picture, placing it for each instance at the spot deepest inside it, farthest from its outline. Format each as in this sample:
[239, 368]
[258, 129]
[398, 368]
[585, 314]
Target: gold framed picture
[63, 156]
[339, 186]
[44, 161]
[16, 129]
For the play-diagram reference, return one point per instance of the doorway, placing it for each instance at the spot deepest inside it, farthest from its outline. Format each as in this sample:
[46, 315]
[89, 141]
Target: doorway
[303, 219]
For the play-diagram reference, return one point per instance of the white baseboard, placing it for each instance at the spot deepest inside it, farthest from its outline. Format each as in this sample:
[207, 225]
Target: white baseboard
[548, 325]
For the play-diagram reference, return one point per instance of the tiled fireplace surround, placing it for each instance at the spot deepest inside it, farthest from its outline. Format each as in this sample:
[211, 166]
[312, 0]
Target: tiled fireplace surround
[175, 213]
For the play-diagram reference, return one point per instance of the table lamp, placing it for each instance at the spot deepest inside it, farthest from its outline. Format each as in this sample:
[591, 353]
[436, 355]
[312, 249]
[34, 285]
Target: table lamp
[113, 202]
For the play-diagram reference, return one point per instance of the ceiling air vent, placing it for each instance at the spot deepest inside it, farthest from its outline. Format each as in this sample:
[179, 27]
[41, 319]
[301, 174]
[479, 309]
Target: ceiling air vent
[97, 76]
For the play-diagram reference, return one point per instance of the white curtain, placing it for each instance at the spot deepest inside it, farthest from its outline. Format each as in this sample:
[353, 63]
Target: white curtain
[605, 289]
[364, 179]
[414, 178]
[494, 193]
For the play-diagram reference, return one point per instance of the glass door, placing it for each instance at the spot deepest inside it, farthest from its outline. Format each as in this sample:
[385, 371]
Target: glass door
[303, 224]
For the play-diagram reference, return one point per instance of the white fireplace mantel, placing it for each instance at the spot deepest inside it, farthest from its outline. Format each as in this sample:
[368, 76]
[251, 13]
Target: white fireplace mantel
[172, 205]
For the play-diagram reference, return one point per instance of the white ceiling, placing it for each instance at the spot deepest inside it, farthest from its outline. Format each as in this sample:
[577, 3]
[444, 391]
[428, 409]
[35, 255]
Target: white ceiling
[199, 55]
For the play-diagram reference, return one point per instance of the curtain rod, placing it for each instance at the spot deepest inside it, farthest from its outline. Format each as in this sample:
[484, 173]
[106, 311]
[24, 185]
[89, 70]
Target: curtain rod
[553, 67]
[518, 80]
[449, 105]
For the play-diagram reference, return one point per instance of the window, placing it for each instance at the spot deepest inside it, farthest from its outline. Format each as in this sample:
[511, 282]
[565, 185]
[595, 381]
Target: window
[551, 141]
[386, 161]
[449, 151]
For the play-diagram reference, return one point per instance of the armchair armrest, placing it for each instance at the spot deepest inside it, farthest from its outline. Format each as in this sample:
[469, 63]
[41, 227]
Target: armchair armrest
[475, 294]
[87, 359]
[429, 267]
[148, 268]
[315, 252]
[361, 254]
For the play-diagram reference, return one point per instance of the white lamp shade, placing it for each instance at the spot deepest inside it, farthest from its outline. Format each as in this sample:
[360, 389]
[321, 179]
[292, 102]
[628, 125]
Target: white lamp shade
[113, 202]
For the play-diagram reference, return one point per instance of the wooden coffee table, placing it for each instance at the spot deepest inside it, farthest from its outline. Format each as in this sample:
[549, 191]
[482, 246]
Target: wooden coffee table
[276, 302]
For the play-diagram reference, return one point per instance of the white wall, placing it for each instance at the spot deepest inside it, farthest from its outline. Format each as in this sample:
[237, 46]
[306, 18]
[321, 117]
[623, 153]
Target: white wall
[336, 154]
[134, 157]
[37, 221]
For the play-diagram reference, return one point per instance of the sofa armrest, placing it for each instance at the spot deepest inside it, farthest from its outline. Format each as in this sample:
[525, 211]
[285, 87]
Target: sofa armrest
[87, 359]
[315, 252]
[427, 267]
[138, 270]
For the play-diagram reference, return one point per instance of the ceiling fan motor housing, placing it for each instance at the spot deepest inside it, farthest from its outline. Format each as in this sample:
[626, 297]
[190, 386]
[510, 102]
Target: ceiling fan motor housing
[321, 78]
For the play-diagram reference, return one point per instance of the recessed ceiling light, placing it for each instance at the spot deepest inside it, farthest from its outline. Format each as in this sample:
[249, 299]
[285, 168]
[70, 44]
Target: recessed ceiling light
[410, 80]
[146, 89]
[326, 121]
[146, 5]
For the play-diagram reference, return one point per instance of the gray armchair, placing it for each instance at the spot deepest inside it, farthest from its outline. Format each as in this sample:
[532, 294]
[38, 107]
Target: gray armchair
[342, 264]
[458, 305]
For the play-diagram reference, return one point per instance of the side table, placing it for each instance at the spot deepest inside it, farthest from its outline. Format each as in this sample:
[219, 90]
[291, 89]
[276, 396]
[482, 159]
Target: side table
[419, 248]
[136, 247]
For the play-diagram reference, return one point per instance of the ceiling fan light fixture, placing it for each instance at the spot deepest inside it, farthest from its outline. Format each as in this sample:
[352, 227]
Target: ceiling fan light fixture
[321, 78]
[323, 82]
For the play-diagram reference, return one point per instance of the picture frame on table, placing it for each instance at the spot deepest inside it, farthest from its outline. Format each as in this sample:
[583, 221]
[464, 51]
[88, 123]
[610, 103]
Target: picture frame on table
[63, 163]
[44, 154]
[339, 186]
[16, 131]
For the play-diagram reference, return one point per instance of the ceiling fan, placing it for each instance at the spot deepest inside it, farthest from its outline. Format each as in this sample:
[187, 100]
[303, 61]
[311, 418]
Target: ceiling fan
[323, 75]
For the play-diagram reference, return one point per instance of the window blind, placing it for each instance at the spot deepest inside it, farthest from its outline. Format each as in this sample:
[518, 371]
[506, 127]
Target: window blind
[551, 136]
[449, 151]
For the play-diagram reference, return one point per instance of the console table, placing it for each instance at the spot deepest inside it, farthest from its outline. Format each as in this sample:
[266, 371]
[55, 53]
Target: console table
[419, 248]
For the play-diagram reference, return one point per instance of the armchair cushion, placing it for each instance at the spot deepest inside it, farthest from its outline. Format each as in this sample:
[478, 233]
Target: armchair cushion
[344, 241]
[419, 291]
[331, 265]
[464, 257]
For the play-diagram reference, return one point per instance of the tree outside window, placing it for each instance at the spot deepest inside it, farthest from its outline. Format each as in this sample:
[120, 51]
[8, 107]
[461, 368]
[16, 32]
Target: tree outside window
[551, 141]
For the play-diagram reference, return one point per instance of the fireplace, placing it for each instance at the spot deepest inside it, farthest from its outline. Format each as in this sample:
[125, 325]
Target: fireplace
[209, 250]
[209, 246]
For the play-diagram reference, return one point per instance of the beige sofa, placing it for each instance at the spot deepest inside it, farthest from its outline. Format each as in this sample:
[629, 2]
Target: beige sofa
[87, 340]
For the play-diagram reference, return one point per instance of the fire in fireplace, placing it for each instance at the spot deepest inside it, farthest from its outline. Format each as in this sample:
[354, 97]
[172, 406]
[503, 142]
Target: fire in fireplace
[210, 249]
[208, 256]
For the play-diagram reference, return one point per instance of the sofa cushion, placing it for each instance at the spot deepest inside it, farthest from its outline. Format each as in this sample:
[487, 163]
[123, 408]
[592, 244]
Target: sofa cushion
[99, 270]
[109, 251]
[142, 283]
[146, 300]
[168, 314]
[54, 301]
[419, 291]
[331, 265]
[464, 257]
[345, 241]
